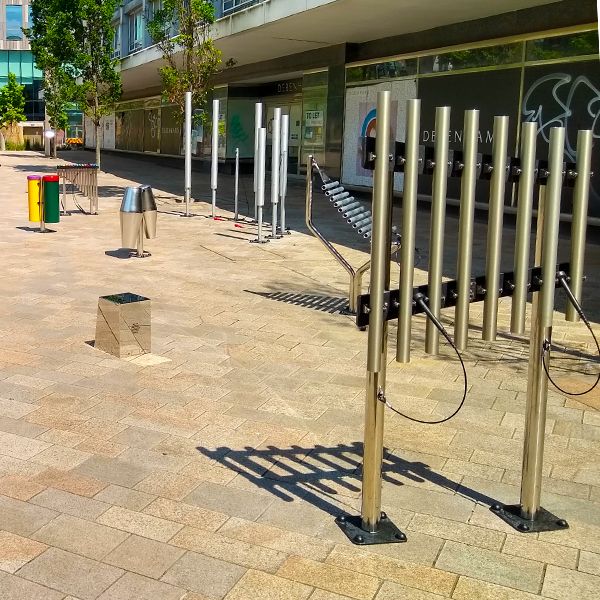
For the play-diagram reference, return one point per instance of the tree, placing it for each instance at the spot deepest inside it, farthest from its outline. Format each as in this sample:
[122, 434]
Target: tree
[12, 108]
[75, 37]
[58, 93]
[190, 56]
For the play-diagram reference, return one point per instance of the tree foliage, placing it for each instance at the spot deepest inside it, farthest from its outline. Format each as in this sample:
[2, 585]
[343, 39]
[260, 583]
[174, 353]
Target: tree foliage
[12, 102]
[182, 31]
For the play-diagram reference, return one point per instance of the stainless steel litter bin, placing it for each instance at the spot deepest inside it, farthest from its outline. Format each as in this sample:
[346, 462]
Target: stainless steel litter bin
[149, 211]
[131, 217]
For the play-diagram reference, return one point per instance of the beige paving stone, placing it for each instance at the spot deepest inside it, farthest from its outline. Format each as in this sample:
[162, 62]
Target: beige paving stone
[262, 586]
[540, 550]
[19, 487]
[325, 595]
[80, 536]
[113, 470]
[207, 576]
[589, 562]
[16, 588]
[132, 586]
[21, 447]
[459, 532]
[125, 497]
[277, 538]
[70, 481]
[71, 504]
[21, 427]
[393, 591]
[70, 573]
[475, 589]
[495, 567]
[14, 409]
[144, 556]
[67, 439]
[167, 485]
[61, 458]
[101, 447]
[15, 551]
[564, 584]
[330, 578]
[139, 523]
[186, 514]
[226, 548]
[22, 518]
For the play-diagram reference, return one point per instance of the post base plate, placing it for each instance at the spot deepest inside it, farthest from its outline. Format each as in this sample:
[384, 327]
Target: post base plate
[544, 520]
[387, 532]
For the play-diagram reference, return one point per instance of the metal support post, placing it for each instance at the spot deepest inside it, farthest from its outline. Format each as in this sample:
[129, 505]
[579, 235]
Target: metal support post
[258, 109]
[275, 167]
[260, 187]
[438, 221]
[581, 193]
[214, 171]
[494, 235]
[285, 132]
[529, 516]
[188, 153]
[236, 185]
[527, 179]
[373, 527]
[465, 229]
[409, 223]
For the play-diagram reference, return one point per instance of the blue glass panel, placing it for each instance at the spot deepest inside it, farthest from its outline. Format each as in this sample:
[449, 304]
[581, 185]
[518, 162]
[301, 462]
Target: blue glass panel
[14, 22]
[14, 63]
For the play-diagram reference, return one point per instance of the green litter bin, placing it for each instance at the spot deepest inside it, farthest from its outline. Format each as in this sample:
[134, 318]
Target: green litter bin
[51, 201]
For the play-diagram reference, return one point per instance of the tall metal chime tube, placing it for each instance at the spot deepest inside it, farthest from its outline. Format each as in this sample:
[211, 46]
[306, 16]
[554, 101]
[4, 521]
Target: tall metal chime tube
[285, 133]
[214, 172]
[541, 330]
[258, 108]
[438, 219]
[523, 227]
[377, 335]
[465, 228]
[236, 189]
[275, 167]
[409, 220]
[494, 236]
[581, 193]
[260, 183]
[188, 152]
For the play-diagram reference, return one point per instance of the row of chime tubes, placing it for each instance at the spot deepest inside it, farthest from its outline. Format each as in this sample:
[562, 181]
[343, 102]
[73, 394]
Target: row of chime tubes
[527, 174]
[351, 209]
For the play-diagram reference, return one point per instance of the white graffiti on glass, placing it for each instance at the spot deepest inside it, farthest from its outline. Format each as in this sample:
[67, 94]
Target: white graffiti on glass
[153, 120]
[558, 115]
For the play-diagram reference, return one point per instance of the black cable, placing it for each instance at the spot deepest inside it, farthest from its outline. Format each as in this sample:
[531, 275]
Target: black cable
[422, 300]
[562, 279]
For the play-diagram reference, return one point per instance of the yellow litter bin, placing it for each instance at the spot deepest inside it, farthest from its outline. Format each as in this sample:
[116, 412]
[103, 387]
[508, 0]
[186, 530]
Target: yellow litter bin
[33, 195]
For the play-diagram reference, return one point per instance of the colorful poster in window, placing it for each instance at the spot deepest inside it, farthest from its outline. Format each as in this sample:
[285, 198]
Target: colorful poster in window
[361, 121]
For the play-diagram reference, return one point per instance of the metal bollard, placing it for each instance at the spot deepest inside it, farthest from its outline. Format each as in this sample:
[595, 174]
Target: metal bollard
[283, 176]
[187, 137]
[214, 170]
[260, 187]
[236, 184]
[275, 168]
[258, 108]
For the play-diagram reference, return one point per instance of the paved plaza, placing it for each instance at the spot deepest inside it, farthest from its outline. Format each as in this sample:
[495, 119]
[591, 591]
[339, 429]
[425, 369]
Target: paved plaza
[214, 466]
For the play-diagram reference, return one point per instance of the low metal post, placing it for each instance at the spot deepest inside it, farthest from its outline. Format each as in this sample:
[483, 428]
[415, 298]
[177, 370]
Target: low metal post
[260, 187]
[494, 236]
[523, 227]
[581, 193]
[236, 184]
[409, 220]
[438, 221]
[188, 152]
[275, 166]
[258, 109]
[283, 175]
[465, 229]
[214, 172]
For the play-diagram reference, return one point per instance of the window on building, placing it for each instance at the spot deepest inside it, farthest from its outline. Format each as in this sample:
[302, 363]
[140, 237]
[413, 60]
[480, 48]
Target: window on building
[472, 59]
[136, 31]
[152, 7]
[562, 46]
[116, 48]
[14, 22]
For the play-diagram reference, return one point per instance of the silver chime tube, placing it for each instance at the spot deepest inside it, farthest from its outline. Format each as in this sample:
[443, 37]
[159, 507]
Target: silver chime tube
[260, 182]
[494, 234]
[409, 220]
[438, 220]
[258, 108]
[362, 214]
[236, 189]
[523, 227]
[363, 222]
[377, 335]
[465, 229]
[348, 202]
[581, 193]
[283, 175]
[347, 214]
[275, 166]
[541, 330]
[188, 152]
[338, 197]
[330, 185]
[214, 171]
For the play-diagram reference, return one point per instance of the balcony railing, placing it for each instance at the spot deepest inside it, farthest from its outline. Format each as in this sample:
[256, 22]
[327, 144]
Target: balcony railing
[232, 6]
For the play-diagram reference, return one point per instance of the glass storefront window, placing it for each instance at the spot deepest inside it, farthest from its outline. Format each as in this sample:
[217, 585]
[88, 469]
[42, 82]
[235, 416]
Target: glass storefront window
[381, 71]
[14, 22]
[505, 54]
[563, 46]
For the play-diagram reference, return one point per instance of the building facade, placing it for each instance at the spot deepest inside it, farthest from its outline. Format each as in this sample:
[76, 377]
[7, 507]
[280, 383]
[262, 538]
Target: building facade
[16, 57]
[323, 62]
